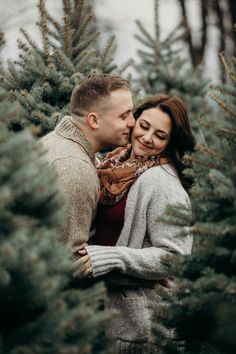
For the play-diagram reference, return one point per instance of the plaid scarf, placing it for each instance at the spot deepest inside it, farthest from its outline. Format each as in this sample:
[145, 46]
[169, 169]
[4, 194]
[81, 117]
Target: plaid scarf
[119, 171]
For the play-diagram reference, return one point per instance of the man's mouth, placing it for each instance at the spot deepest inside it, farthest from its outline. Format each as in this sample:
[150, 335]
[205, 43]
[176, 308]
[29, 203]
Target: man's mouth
[127, 134]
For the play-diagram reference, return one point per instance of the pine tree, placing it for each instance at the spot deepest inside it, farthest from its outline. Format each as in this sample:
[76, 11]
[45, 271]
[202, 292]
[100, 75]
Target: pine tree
[39, 312]
[202, 309]
[164, 67]
[43, 77]
[2, 41]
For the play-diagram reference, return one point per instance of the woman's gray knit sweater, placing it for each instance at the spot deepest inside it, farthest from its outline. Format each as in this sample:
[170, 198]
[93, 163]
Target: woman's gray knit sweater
[144, 239]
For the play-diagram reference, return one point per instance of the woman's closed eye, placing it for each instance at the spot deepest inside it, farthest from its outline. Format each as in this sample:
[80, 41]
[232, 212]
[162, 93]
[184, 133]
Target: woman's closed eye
[158, 134]
[161, 137]
[145, 127]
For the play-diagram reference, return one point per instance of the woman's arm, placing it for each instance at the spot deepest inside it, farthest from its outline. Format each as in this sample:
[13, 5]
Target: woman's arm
[146, 263]
[144, 223]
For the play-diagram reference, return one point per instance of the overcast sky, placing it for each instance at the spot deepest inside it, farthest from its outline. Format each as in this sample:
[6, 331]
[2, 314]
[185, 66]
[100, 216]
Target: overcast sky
[118, 14]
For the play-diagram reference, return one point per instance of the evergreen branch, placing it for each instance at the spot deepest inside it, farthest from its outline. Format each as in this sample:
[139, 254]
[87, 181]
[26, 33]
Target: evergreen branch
[202, 230]
[32, 44]
[84, 44]
[156, 22]
[80, 30]
[67, 42]
[201, 193]
[214, 229]
[44, 30]
[222, 181]
[143, 41]
[144, 32]
[145, 55]
[222, 104]
[217, 129]
[126, 65]
[224, 89]
[210, 152]
[172, 38]
[107, 52]
[64, 62]
[2, 39]
[14, 74]
[229, 72]
[67, 8]
[55, 24]
[82, 57]
[54, 35]
[199, 162]
[78, 10]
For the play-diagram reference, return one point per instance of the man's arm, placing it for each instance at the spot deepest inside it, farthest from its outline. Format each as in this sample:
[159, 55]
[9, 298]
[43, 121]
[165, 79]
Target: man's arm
[79, 187]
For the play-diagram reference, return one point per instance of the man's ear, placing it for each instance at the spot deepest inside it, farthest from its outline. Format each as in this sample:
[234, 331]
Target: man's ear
[93, 120]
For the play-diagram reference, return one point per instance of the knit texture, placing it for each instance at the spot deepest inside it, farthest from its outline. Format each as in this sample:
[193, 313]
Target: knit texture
[145, 238]
[135, 348]
[143, 242]
[69, 152]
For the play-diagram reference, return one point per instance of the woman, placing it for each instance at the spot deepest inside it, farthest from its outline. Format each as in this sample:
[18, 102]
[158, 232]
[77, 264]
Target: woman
[137, 184]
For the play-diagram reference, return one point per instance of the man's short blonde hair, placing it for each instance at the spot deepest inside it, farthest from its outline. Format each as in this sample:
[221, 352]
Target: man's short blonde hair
[92, 91]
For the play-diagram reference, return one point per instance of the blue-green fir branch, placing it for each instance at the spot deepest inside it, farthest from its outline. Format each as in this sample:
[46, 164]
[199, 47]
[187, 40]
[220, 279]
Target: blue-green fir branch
[147, 37]
[82, 28]
[85, 44]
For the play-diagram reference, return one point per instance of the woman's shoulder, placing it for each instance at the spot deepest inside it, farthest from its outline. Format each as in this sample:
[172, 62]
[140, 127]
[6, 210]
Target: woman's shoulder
[160, 184]
[160, 173]
[161, 179]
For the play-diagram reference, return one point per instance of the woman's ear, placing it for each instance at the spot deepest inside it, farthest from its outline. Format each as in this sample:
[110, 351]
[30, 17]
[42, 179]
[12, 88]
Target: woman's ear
[93, 120]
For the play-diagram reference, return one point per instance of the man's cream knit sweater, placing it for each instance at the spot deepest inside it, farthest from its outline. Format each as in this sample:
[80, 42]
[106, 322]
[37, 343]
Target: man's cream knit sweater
[69, 152]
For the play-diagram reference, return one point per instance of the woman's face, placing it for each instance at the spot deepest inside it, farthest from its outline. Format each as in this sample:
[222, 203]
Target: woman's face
[151, 133]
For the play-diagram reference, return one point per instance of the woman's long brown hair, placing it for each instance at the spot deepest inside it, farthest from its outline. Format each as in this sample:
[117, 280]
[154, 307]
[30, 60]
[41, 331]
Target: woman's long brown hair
[181, 139]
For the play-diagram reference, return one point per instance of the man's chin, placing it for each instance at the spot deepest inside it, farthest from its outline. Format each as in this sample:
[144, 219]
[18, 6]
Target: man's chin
[124, 142]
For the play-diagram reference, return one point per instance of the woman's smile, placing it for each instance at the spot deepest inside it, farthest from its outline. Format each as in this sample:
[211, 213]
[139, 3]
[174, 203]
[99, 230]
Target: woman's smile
[142, 145]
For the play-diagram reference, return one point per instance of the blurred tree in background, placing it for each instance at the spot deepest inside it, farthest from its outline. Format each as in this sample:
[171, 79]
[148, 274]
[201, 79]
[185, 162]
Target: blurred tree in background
[164, 67]
[222, 13]
[202, 310]
[2, 41]
[38, 314]
[43, 77]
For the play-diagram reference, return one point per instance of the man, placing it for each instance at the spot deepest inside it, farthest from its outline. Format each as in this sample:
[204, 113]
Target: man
[101, 116]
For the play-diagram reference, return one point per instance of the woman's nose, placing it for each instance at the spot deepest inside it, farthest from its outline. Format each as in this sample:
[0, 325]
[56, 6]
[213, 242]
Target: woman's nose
[147, 137]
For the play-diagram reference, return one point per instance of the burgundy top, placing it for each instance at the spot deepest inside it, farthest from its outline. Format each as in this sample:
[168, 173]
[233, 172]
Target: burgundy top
[109, 223]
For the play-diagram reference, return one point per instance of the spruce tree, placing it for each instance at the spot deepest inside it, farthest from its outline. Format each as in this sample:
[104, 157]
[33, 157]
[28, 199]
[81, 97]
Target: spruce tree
[165, 67]
[39, 312]
[43, 77]
[201, 311]
[2, 41]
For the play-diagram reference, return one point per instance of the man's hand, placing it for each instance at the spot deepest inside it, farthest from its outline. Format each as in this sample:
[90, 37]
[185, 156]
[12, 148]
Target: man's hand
[83, 265]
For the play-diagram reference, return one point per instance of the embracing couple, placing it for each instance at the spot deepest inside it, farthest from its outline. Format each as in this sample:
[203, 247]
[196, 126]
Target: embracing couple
[115, 211]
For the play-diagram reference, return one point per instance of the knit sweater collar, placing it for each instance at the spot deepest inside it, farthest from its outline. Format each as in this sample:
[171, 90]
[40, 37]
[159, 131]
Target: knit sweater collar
[68, 130]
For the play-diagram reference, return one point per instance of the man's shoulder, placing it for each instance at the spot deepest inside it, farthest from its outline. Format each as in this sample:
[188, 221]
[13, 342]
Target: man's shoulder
[46, 138]
[60, 150]
[74, 163]
[76, 172]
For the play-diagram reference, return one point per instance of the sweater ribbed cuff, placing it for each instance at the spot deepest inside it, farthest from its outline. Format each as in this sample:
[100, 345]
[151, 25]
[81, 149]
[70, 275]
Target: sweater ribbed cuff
[104, 259]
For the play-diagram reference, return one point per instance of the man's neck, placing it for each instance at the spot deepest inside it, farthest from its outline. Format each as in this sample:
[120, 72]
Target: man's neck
[87, 135]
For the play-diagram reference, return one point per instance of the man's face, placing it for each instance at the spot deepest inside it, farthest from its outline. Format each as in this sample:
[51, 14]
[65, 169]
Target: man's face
[116, 119]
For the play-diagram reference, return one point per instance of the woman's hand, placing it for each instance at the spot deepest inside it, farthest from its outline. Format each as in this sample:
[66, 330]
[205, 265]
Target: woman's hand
[83, 265]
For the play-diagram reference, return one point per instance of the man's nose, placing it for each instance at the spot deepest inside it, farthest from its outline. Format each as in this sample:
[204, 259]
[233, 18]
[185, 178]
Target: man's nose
[131, 122]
